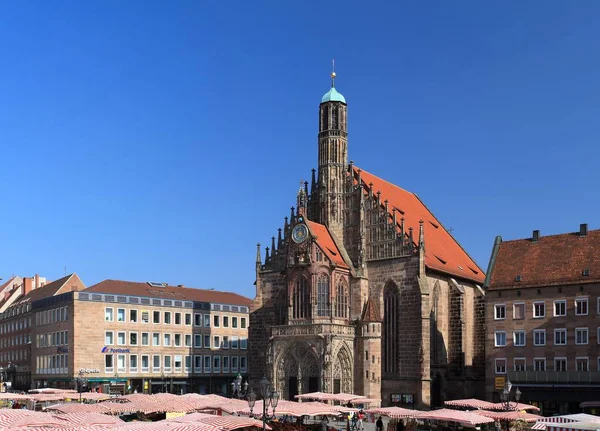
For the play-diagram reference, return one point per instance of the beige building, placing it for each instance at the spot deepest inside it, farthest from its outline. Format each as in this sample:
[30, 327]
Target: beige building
[150, 337]
[543, 319]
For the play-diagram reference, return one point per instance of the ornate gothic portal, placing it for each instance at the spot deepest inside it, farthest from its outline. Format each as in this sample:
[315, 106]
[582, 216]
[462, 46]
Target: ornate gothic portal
[342, 372]
[297, 371]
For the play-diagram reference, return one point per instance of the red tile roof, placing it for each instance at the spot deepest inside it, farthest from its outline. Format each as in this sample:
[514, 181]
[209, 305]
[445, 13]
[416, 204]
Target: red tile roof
[442, 252]
[551, 260]
[371, 312]
[120, 287]
[326, 243]
[55, 288]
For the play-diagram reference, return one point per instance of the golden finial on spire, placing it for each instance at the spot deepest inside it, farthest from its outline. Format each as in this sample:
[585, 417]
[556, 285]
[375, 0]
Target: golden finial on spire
[333, 75]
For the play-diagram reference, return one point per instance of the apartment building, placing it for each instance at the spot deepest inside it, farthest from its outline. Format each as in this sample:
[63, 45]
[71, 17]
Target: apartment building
[16, 323]
[150, 337]
[543, 319]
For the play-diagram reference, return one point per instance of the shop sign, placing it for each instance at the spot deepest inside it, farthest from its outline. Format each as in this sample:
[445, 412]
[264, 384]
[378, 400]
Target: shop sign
[107, 349]
[403, 398]
[89, 371]
[499, 383]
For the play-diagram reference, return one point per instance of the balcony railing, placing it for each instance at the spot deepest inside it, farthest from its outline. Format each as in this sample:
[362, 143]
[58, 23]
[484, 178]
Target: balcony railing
[582, 377]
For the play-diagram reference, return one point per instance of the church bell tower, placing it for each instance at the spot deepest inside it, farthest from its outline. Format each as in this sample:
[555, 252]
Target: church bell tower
[333, 159]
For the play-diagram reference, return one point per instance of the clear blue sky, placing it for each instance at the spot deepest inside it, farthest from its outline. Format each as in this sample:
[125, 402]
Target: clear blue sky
[153, 140]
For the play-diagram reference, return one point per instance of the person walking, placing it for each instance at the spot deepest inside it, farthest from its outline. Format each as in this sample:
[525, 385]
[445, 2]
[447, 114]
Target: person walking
[379, 424]
[361, 417]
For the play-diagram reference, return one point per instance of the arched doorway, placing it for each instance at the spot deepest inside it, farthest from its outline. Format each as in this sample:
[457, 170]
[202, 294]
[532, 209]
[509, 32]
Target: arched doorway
[342, 372]
[297, 371]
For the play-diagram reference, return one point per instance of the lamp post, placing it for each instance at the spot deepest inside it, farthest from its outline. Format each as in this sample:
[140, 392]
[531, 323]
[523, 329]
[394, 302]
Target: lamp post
[162, 382]
[505, 396]
[270, 398]
[239, 390]
[81, 380]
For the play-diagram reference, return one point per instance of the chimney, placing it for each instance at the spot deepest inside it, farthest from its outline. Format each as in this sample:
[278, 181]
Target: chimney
[27, 285]
[37, 281]
[583, 229]
[536, 236]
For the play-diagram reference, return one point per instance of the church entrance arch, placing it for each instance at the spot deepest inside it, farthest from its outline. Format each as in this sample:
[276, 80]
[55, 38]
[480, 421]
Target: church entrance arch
[342, 372]
[297, 371]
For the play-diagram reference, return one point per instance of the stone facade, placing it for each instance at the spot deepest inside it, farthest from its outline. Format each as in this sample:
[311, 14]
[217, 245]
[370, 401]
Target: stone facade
[346, 244]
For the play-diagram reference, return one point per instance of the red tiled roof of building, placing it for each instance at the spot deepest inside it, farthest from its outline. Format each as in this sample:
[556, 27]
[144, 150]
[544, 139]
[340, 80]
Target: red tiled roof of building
[120, 287]
[51, 289]
[326, 243]
[442, 252]
[371, 312]
[551, 260]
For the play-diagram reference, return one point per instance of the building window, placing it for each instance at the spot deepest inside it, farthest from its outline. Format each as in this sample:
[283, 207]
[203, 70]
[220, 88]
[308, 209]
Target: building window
[225, 364]
[581, 335]
[243, 363]
[234, 322]
[207, 363]
[225, 342]
[178, 318]
[216, 364]
[216, 342]
[133, 363]
[390, 329]
[207, 341]
[156, 364]
[188, 363]
[539, 364]
[167, 363]
[501, 366]
[234, 363]
[197, 363]
[121, 338]
[167, 318]
[519, 338]
[145, 363]
[177, 362]
[197, 340]
[499, 312]
[108, 314]
[225, 321]
[243, 325]
[133, 316]
[188, 319]
[539, 310]
[234, 342]
[243, 343]
[156, 317]
[121, 368]
[216, 321]
[519, 364]
[166, 340]
[560, 364]
[156, 338]
[188, 340]
[499, 338]
[145, 339]
[120, 315]
[177, 340]
[560, 337]
[133, 339]
[207, 320]
[560, 308]
[323, 296]
[108, 338]
[341, 300]
[300, 299]
[581, 307]
[108, 363]
[145, 316]
[582, 364]
[539, 337]
[197, 319]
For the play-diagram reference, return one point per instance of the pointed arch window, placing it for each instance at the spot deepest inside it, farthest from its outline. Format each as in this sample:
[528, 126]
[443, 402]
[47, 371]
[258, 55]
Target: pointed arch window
[341, 300]
[390, 329]
[323, 295]
[301, 299]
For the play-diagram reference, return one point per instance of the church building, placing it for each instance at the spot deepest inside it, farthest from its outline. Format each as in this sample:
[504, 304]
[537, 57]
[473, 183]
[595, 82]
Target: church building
[364, 291]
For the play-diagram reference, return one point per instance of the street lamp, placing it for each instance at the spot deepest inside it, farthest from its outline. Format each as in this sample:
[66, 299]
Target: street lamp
[162, 382]
[270, 398]
[239, 390]
[81, 380]
[505, 396]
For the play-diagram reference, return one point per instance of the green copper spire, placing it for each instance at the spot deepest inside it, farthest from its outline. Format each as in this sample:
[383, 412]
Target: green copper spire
[333, 95]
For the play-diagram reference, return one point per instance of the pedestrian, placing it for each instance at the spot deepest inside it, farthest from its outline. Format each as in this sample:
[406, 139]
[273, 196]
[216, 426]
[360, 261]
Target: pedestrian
[361, 417]
[324, 422]
[379, 424]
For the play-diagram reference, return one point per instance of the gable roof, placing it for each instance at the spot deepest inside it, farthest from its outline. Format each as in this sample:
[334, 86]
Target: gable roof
[442, 252]
[49, 289]
[551, 260]
[120, 287]
[326, 243]
[371, 312]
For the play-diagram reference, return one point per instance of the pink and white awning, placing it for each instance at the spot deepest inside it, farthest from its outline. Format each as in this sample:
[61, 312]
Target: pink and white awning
[471, 403]
[464, 418]
[394, 412]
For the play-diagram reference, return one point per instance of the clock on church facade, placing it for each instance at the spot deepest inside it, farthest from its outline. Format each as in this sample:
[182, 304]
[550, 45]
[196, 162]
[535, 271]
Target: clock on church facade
[364, 291]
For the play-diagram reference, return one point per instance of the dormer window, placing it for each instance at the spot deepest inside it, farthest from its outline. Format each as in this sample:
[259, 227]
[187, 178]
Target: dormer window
[319, 255]
[518, 278]
[585, 272]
